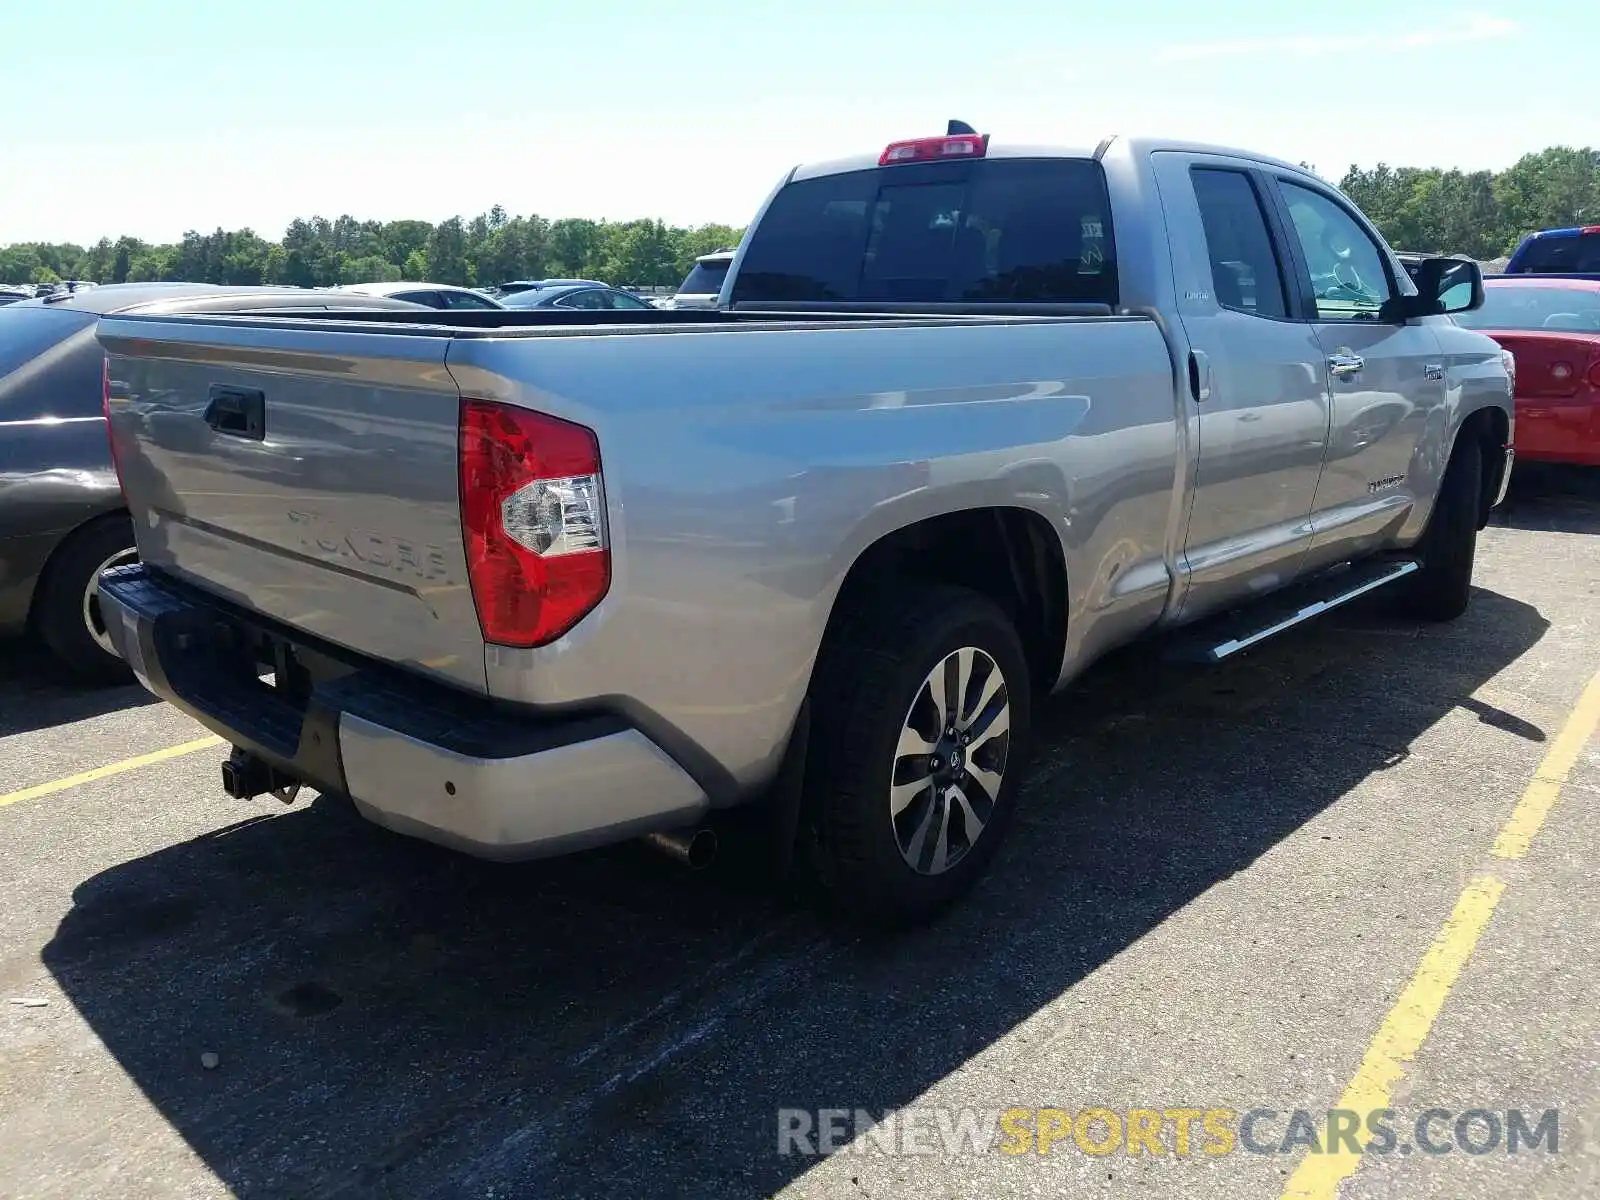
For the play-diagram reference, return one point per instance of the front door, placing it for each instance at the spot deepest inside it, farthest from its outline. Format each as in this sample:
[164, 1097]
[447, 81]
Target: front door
[1387, 378]
[1258, 403]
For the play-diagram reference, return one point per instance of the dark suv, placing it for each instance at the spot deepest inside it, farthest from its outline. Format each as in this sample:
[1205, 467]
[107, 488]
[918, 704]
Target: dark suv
[1572, 251]
[62, 519]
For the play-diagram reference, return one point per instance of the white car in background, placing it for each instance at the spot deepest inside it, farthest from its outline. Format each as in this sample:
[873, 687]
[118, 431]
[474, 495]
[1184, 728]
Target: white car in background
[703, 284]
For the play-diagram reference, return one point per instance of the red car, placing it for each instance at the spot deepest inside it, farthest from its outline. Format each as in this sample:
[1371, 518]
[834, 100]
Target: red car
[1551, 325]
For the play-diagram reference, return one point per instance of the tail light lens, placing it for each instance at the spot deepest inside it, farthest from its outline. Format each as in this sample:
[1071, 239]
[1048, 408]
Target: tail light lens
[533, 513]
[1594, 374]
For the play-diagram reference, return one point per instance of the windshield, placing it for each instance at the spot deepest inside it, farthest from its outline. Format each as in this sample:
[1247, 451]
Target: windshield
[27, 332]
[1507, 306]
[1018, 230]
[1571, 255]
[706, 278]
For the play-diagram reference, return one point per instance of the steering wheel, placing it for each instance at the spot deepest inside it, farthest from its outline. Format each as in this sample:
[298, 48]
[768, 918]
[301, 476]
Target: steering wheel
[1347, 277]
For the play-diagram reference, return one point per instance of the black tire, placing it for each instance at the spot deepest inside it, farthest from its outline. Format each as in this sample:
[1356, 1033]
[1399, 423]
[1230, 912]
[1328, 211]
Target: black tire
[873, 668]
[1439, 591]
[58, 612]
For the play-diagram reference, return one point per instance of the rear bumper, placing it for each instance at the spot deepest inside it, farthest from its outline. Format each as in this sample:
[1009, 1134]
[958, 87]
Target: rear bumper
[416, 756]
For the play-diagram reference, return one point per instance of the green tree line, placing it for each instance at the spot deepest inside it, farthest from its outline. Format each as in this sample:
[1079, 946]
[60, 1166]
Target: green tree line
[490, 248]
[1482, 214]
[1479, 213]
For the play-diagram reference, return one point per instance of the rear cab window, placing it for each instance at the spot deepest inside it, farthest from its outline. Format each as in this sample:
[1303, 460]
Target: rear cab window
[1020, 230]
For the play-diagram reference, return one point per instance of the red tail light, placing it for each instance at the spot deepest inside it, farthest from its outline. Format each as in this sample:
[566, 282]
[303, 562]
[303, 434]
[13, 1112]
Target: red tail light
[533, 514]
[105, 410]
[1594, 374]
[959, 145]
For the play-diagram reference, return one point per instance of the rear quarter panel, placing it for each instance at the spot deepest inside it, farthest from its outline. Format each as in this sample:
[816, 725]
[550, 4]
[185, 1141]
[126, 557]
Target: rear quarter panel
[745, 471]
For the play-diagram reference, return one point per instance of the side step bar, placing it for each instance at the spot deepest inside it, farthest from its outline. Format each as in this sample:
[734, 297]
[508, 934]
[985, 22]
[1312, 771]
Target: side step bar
[1217, 638]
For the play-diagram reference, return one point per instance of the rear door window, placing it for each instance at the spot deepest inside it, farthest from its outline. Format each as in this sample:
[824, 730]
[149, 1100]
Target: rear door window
[1245, 273]
[999, 230]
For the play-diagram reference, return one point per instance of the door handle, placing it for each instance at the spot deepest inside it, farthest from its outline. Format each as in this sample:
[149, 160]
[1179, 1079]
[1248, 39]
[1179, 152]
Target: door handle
[1199, 376]
[237, 412]
[1343, 365]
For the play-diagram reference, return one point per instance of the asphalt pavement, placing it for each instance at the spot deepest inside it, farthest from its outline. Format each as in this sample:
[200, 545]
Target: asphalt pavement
[1236, 892]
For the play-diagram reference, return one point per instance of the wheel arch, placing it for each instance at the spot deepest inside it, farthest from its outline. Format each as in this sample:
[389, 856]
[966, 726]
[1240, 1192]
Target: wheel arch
[59, 551]
[1486, 430]
[1009, 554]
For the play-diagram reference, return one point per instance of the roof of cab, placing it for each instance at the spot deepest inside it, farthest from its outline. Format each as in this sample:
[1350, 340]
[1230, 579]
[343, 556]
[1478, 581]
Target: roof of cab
[1134, 145]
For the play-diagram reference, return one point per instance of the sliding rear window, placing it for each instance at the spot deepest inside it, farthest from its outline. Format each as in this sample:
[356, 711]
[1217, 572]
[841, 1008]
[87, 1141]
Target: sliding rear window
[1000, 230]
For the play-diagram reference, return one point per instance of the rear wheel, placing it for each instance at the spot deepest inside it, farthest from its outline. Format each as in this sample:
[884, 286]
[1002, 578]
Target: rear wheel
[920, 727]
[66, 610]
[1439, 591]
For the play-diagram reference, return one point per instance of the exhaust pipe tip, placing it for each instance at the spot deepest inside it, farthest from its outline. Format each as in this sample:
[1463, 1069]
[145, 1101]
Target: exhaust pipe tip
[694, 848]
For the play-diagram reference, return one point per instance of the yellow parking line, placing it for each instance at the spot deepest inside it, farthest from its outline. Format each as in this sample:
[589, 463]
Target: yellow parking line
[117, 768]
[1540, 797]
[1409, 1022]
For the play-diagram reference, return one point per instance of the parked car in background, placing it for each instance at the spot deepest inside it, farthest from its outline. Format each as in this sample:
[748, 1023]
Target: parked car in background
[429, 295]
[815, 553]
[1571, 251]
[529, 285]
[576, 295]
[703, 284]
[62, 519]
[11, 295]
[1552, 328]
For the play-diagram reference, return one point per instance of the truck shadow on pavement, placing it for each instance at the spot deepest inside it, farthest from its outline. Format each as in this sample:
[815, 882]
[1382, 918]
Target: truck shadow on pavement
[36, 693]
[393, 1019]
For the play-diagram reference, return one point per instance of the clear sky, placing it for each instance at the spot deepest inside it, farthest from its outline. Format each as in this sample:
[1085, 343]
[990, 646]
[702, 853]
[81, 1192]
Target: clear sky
[150, 117]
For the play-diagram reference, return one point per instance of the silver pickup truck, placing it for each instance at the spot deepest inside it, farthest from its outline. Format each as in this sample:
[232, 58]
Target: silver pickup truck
[966, 417]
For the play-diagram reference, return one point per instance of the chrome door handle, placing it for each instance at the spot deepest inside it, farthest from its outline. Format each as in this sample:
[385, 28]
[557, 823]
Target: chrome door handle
[1345, 365]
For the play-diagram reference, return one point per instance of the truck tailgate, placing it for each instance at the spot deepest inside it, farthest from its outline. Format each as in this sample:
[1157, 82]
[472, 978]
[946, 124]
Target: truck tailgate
[297, 474]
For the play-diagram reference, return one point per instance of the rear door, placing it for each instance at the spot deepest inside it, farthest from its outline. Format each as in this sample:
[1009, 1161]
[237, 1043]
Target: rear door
[1258, 383]
[1387, 377]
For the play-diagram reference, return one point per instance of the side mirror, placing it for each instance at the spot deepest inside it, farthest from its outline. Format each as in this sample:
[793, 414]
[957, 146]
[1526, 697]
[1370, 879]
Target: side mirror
[1445, 285]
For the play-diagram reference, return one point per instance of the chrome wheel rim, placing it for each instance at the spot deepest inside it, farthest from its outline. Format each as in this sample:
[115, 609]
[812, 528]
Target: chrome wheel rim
[93, 621]
[950, 761]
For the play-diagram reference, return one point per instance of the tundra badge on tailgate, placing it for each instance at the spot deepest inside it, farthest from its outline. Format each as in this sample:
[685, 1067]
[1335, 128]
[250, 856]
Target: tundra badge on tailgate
[395, 555]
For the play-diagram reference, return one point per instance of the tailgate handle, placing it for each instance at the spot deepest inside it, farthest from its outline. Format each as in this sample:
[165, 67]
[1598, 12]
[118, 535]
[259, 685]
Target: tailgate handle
[237, 412]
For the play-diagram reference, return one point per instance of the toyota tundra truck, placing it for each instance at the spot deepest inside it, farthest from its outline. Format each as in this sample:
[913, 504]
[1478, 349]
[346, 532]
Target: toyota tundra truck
[966, 417]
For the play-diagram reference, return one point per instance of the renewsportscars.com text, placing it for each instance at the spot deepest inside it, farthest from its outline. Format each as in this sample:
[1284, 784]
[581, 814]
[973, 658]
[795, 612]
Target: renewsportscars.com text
[1179, 1131]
